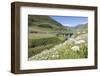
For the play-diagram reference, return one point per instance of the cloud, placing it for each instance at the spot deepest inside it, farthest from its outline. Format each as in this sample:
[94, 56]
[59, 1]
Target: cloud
[84, 22]
[67, 25]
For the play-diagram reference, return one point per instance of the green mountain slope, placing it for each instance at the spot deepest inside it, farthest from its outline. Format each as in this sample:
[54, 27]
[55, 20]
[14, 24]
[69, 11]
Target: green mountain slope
[44, 22]
[44, 33]
[80, 28]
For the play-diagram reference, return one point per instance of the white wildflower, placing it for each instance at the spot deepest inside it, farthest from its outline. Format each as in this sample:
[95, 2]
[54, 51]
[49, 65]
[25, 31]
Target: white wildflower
[75, 48]
[53, 56]
[72, 39]
[64, 43]
[78, 38]
[54, 49]
[57, 46]
[79, 42]
[78, 32]
[60, 45]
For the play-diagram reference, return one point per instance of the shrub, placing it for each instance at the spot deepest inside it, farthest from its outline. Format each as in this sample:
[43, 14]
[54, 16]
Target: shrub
[43, 41]
[39, 49]
[45, 26]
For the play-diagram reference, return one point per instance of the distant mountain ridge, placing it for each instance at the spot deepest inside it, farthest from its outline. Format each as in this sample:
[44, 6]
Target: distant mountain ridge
[80, 28]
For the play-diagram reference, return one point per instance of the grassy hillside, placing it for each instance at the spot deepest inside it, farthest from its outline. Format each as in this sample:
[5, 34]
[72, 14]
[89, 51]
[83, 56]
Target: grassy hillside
[43, 32]
[37, 19]
[44, 22]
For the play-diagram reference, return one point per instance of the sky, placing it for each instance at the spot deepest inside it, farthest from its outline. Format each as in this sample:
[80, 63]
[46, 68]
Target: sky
[70, 21]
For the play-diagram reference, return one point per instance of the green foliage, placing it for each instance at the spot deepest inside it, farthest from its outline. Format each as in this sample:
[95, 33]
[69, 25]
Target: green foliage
[45, 26]
[38, 45]
[38, 49]
[44, 41]
[70, 54]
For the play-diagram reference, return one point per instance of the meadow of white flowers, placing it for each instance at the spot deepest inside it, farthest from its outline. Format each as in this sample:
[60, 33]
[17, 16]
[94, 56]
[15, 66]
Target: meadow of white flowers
[73, 48]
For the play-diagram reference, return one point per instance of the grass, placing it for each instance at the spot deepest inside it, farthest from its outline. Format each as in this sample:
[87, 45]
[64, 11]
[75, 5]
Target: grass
[39, 35]
[64, 50]
[38, 45]
[44, 41]
[38, 49]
